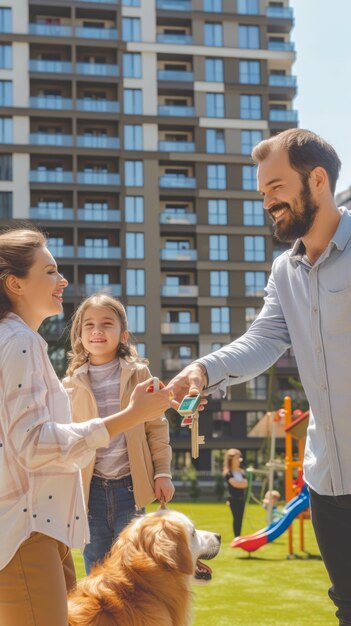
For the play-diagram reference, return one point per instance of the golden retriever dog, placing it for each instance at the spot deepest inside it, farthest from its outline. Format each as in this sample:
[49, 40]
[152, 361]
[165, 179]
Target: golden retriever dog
[146, 578]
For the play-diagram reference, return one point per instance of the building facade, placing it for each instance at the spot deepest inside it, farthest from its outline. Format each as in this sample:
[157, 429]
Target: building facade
[126, 128]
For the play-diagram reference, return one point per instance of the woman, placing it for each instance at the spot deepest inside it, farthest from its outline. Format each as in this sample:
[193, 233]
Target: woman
[41, 452]
[237, 483]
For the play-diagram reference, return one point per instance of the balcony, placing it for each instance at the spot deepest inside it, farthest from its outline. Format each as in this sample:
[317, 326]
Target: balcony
[180, 76]
[175, 365]
[285, 13]
[281, 46]
[176, 146]
[50, 67]
[99, 252]
[174, 5]
[98, 106]
[98, 142]
[166, 217]
[99, 215]
[177, 182]
[177, 111]
[178, 255]
[50, 176]
[275, 80]
[61, 251]
[113, 289]
[98, 69]
[50, 139]
[96, 33]
[180, 328]
[278, 115]
[174, 38]
[51, 213]
[98, 178]
[50, 102]
[50, 30]
[180, 291]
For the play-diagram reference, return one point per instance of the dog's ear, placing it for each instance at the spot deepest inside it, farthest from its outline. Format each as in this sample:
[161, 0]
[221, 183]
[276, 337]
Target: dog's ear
[166, 542]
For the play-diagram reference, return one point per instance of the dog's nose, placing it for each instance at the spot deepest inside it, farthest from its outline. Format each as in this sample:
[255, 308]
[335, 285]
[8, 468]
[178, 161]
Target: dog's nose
[218, 537]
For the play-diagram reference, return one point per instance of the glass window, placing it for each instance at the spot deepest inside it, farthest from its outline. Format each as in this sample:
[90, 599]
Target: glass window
[249, 177]
[252, 417]
[249, 72]
[250, 107]
[134, 245]
[135, 282]
[5, 20]
[5, 93]
[249, 138]
[248, 7]
[249, 36]
[141, 349]
[216, 176]
[217, 212]
[5, 204]
[136, 318]
[5, 130]
[255, 283]
[253, 213]
[213, 34]
[133, 173]
[214, 70]
[131, 30]
[131, 3]
[220, 319]
[256, 389]
[254, 248]
[132, 65]
[219, 283]
[218, 247]
[215, 105]
[133, 137]
[213, 6]
[97, 281]
[5, 56]
[134, 209]
[251, 313]
[215, 141]
[5, 167]
[132, 101]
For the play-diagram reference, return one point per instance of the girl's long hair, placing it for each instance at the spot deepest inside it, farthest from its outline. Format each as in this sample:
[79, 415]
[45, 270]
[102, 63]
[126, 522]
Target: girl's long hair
[78, 356]
[228, 459]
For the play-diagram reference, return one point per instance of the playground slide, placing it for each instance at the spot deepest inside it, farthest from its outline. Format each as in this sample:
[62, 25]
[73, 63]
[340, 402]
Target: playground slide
[250, 543]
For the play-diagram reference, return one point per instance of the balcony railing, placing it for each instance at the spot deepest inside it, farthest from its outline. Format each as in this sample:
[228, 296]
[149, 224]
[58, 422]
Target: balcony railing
[50, 176]
[98, 178]
[180, 328]
[176, 146]
[50, 102]
[99, 252]
[178, 218]
[179, 76]
[280, 12]
[98, 69]
[61, 251]
[54, 67]
[281, 46]
[51, 30]
[113, 289]
[175, 365]
[177, 182]
[275, 80]
[178, 255]
[54, 213]
[278, 115]
[180, 291]
[50, 139]
[174, 5]
[99, 106]
[97, 142]
[99, 215]
[178, 111]
[96, 33]
[174, 38]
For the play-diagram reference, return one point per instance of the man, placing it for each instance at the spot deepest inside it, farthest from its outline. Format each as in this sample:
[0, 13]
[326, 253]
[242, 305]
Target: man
[307, 306]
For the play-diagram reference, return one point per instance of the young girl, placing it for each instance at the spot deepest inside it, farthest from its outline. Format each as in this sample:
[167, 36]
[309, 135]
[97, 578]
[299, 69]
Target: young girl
[237, 483]
[42, 508]
[135, 469]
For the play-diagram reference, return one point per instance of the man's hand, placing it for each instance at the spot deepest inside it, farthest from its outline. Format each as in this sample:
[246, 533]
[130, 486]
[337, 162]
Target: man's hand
[189, 382]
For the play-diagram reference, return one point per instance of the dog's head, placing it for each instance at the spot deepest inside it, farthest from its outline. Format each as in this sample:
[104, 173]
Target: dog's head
[171, 541]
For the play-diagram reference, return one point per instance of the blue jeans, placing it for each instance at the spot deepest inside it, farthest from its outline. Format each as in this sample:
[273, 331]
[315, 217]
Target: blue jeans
[111, 508]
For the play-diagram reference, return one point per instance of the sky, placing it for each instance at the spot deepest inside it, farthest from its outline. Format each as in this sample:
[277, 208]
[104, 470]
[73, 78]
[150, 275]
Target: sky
[322, 36]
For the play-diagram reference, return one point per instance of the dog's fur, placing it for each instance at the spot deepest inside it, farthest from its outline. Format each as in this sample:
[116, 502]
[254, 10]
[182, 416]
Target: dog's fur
[146, 579]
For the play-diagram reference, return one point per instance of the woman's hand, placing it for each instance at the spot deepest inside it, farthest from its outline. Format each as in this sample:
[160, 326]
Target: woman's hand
[150, 405]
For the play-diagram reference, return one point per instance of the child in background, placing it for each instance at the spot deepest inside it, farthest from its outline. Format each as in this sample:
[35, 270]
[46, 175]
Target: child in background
[134, 470]
[237, 483]
[273, 497]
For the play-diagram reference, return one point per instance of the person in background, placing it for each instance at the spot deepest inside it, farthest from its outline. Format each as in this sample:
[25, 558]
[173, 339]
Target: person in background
[271, 498]
[237, 483]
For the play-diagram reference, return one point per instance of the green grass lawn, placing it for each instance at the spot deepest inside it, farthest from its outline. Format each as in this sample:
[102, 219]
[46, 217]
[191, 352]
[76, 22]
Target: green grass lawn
[264, 590]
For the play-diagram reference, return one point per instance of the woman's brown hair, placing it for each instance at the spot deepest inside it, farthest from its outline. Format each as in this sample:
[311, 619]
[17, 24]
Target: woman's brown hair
[229, 458]
[17, 254]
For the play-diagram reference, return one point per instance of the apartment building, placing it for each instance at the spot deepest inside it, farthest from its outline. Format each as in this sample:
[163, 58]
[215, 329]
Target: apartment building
[126, 128]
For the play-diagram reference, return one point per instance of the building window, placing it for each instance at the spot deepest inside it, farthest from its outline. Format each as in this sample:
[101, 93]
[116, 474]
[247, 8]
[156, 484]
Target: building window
[249, 72]
[216, 176]
[5, 56]
[133, 137]
[248, 7]
[131, 3]
[252, 417]
[250, 107]
[5, 167]
[5, 130]
[134, 245]
[214, 70]
[215, 105]
[219, 283]
[95, 282]
[213, 6]
[141, 349]
[249, 177]
[249, 138]
[135, 282]
[220, 319]
[5, 205]
[218, 247]
[255, 283]
[253, 213]
[254, 248]
[217, 212]
[215, 142]
[132, 101]
[133, 173]
[134, 209]
[249, 36]
[213, 34]
[251, 313]
[131, 30]
[136, 318]
[132, 65]
[5, 20]
[5, 93]
[256, 389]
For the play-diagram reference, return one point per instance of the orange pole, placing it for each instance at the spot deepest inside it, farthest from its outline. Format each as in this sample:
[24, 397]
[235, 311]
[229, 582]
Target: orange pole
[288, 465]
